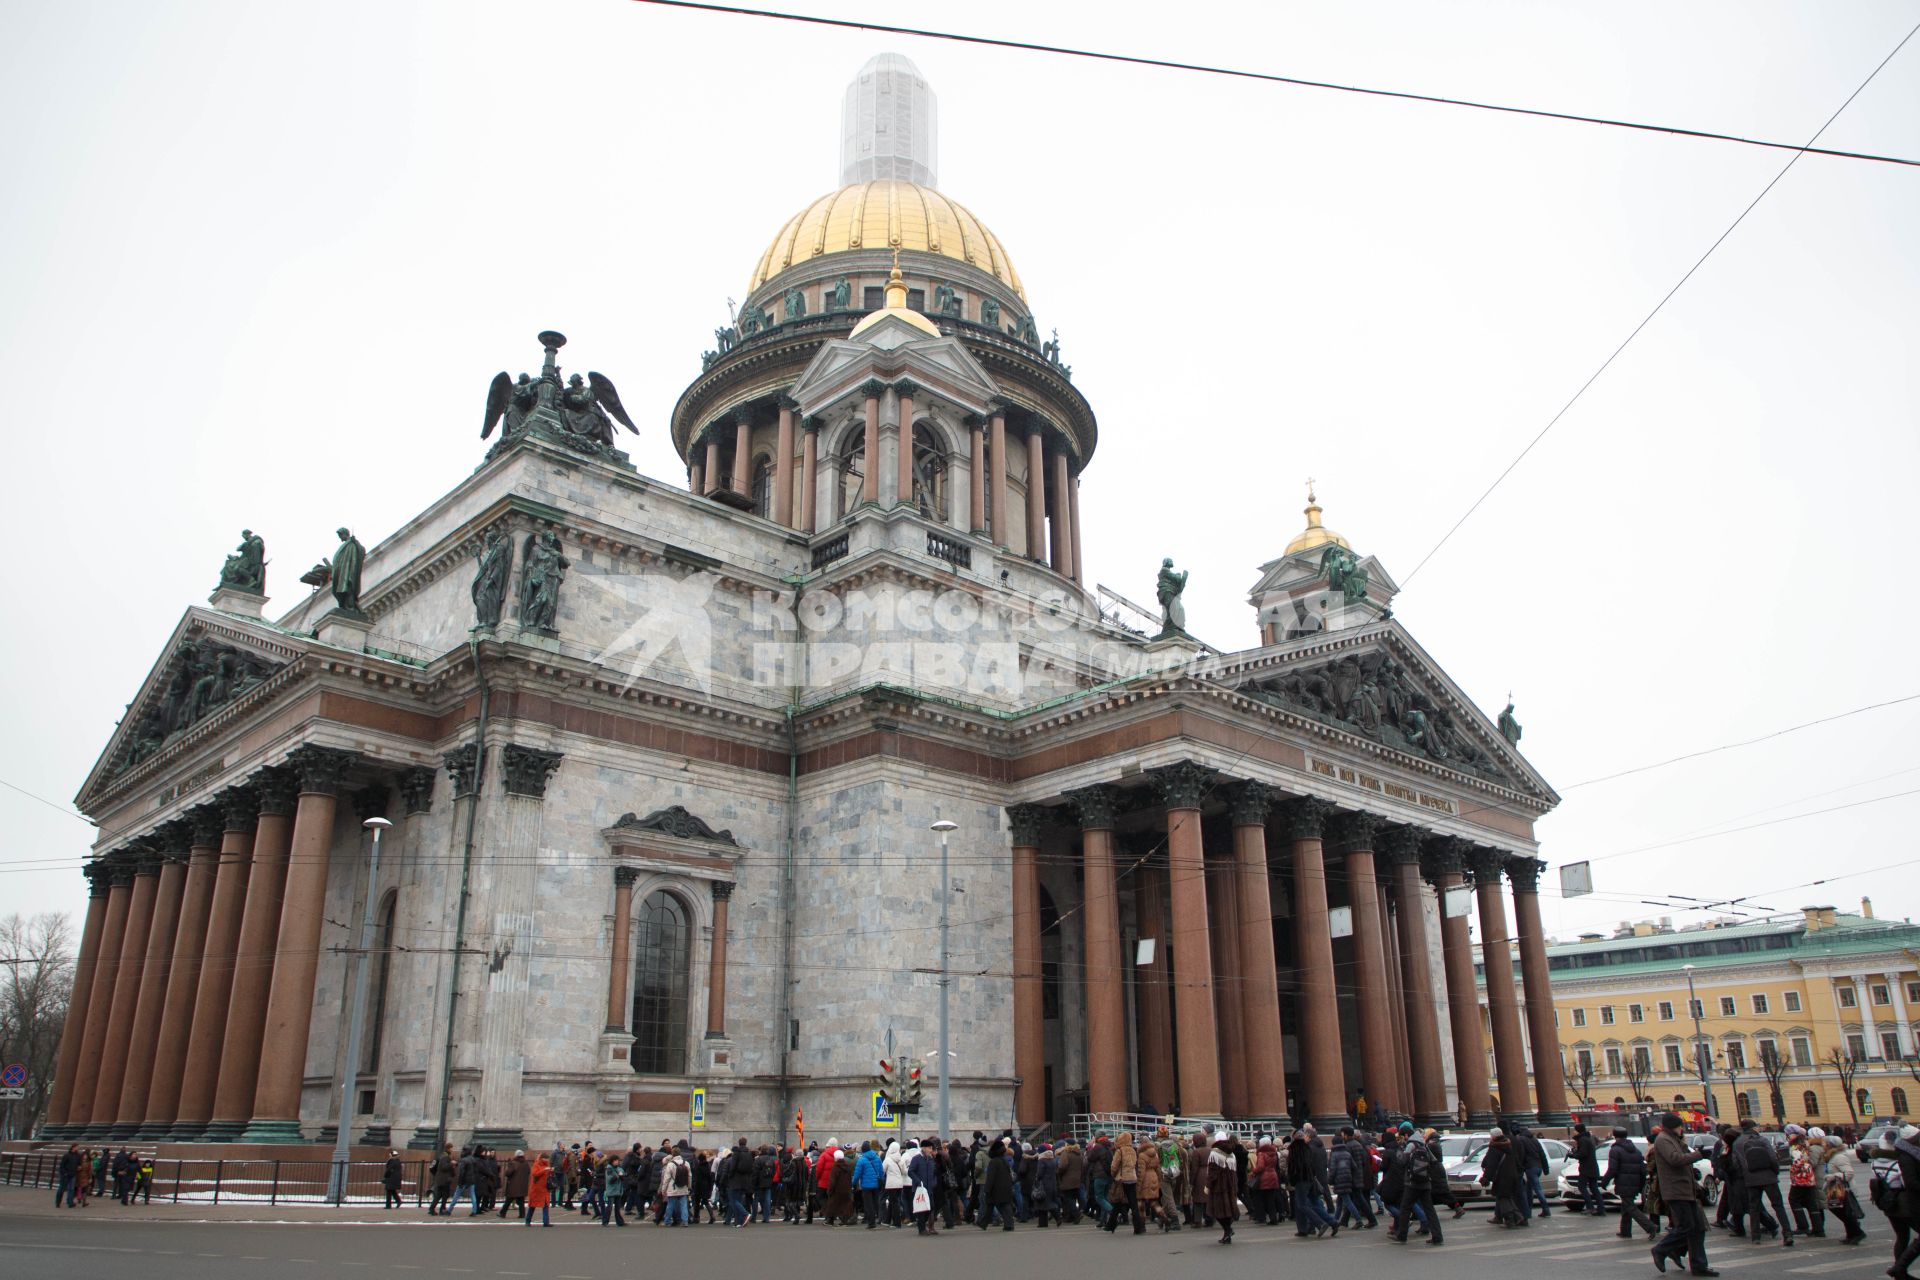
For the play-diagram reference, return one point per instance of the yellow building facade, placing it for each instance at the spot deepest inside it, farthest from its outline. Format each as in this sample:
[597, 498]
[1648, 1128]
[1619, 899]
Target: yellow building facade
[1827, 998]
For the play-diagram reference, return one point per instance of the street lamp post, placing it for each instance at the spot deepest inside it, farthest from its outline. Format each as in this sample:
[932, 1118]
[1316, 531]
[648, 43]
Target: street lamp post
[946, 1057]
[1699, 1042]
[337, 1175]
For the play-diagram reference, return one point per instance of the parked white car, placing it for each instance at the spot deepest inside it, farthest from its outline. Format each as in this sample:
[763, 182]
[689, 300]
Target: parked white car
[1463, 1152]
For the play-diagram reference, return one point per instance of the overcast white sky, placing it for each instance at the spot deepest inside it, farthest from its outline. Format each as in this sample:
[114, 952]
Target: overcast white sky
[260, 260]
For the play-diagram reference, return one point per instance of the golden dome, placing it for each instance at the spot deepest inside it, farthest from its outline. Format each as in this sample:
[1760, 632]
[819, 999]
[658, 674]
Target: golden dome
[882, 215]
[1315, 534]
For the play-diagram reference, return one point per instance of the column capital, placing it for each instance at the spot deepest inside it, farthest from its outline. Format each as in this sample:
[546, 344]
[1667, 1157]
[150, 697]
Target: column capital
[177, 835]
[1442, 856]
[872, 388]
[279, 790]
[1306, 818]
[741, 416]
[321, 769]
[147, 859]
[120, 870]
[722, 890]
[99, 878]
[527, 769]
[416, 789]
[464, 767]
[1398, 845]
[207, 821]
[997, 406]
[1025, 822]
[625, 876]
[973, 422]
[240, 808]
[1095, 806]
[1353, 832]
[1524, 872]
[1486, 864]
[1181, 785]
[784, 399]
[811, 423]
[1249, 802]
[907, 387]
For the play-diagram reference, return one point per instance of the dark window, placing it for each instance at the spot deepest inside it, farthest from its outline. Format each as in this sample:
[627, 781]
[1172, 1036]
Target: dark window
[662, 950]
[1899, 1101]
[872, 298]
[917, 299]
[1810, 1103]
[382, 961]
[763, 487]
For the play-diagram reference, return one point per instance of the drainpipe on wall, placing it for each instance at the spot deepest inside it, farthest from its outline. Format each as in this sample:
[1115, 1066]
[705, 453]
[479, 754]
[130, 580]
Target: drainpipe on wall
[466, 878]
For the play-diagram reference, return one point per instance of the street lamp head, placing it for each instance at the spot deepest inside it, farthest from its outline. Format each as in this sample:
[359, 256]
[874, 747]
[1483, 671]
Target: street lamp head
[943, 826]
[376, 824]
[1687, 967]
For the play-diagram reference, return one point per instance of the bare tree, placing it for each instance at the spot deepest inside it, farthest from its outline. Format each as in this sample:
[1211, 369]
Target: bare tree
[1844, 1066]
[1773, 1066]
[1583, 1070]
[1639, 1069]
[36, 980]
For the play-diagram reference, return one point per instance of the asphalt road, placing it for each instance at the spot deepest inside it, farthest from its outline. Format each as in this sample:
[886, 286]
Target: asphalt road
[190, 1243]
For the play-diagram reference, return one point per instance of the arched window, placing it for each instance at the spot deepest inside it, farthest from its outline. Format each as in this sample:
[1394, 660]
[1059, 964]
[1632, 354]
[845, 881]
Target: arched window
[1680, 1099]
[382, 960]
[1742, 1104]
[1860, 1099]
[1810, 1103]
[1899, 1101]
[853, 470]
[763, 486]
[929, 473]
[662, 953]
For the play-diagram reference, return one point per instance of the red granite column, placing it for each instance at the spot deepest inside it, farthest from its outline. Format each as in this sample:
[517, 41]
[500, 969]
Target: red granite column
[621, 971]
[155, 967]
[1036, 494]
[126, 992]
[1073, 515]
[1373, 1002]
[976, 474]
[1063, 558]
[1549, 1088]
[904, 393]
[115, 871]
[1503, 1006]
[1154, 1002]
[711, 472]
[997, 463]
[73, 1032]
[783, 465]
[1442, 856]
[1223, 936]
[1400, 847]
[230, 1012]
[741, 473]
[1029, 1017]
[1181, 788]
[717, 962]
[183, 979]
[697, 474]
[1397, 991]
[809, 475]
[870, 443]
[1265, 1050]
[1322, 1074]
[296, 959]
[1106, 998]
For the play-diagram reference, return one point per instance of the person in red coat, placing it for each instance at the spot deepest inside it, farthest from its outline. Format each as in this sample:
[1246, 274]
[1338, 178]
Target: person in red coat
[539, 1190]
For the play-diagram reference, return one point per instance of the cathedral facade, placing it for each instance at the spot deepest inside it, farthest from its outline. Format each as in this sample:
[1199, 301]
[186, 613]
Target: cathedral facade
[661, 760]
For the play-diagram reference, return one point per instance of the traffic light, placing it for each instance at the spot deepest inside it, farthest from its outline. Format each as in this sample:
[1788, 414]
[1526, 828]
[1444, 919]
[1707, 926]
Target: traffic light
[911, 1095]
[884, 1078]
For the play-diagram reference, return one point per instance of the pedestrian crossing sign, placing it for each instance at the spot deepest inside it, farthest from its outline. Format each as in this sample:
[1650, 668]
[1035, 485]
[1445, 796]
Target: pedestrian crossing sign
[883, 1116]
[697, 1109]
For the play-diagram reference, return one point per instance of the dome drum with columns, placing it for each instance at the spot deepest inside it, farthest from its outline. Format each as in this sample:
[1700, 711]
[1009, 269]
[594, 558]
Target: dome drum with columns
[665, 760]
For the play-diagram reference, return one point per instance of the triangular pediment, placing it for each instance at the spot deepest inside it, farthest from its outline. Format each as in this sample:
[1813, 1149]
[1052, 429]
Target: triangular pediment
[209, 662]
[942, 366]
[1378, 683]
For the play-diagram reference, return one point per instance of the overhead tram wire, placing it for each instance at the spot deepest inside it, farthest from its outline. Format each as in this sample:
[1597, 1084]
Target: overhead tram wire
[1657, 308]
[1299, 82]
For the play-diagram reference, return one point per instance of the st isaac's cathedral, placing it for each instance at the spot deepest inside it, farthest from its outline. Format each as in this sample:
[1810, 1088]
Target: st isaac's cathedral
[662, 760]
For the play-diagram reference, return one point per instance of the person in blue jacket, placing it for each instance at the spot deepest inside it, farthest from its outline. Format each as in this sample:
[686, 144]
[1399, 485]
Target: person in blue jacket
[869, 1177]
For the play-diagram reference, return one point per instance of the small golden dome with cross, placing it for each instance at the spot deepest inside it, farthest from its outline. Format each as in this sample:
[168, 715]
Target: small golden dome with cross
[1315, 534]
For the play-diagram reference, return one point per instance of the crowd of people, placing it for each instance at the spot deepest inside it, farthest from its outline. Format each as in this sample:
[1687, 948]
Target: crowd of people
[1320, 1184]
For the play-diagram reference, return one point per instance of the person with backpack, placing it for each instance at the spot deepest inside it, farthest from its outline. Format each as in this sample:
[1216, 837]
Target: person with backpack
[676, 1187]
[1760, 1171]
[1627, 1171]
[1408, 1180]
[1899, 1179]
[1805, 1196]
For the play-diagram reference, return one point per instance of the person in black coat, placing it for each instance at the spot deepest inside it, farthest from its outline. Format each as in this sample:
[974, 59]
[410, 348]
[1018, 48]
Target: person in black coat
[390, 1179]
[1586, 1155]
[1500, 1172]
[996, 1188]
[1627, 1171]
[1533, 1167]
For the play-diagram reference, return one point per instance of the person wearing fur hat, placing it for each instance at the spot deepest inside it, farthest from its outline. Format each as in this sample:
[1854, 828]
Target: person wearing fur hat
[1222, 1176]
